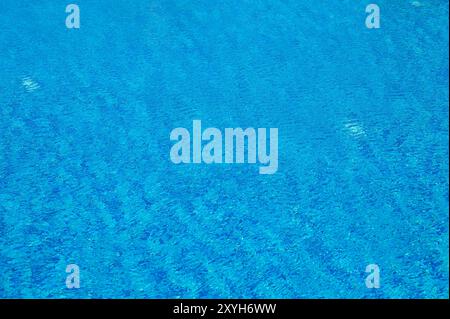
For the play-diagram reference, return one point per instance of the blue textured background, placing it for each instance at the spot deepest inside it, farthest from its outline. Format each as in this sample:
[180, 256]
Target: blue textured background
[85, 174]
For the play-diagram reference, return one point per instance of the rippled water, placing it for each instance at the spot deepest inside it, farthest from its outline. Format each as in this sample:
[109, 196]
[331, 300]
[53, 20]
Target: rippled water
[85, 174]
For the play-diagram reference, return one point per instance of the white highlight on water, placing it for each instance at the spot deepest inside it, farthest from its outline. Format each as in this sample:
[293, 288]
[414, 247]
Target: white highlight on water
[29, 84]
[354, 128]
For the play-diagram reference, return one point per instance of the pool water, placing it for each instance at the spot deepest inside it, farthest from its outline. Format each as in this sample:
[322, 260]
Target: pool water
[86, 176]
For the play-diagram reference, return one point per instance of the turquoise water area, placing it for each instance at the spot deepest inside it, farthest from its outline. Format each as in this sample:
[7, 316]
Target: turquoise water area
[86, 178]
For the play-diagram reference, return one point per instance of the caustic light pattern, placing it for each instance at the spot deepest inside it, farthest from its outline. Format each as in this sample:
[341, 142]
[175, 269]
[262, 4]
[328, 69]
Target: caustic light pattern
[91, 204]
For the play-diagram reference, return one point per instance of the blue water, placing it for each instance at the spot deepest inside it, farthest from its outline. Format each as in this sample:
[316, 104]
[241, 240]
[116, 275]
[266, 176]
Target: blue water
[86, 178]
